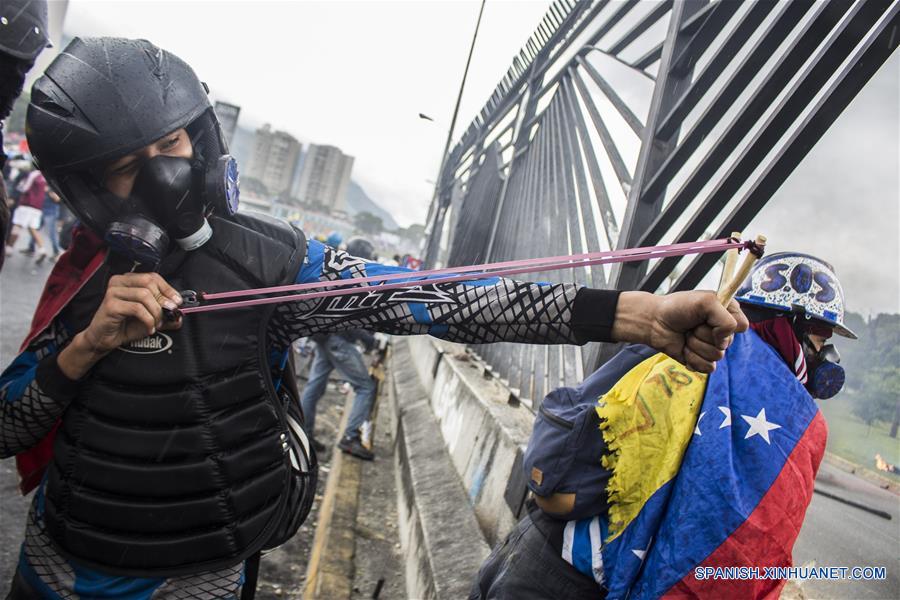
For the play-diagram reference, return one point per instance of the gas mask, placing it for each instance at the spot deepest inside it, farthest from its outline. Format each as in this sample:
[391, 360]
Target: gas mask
[170, 200]
[825, 377]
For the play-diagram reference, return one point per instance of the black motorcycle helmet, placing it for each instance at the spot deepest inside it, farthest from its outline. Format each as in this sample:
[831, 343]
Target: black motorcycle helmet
[361, 248]
[23, 28]
[23, 34]
[104, 98]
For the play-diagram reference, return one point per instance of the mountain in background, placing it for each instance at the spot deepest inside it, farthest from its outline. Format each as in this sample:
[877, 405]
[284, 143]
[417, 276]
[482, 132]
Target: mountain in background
[358, 200]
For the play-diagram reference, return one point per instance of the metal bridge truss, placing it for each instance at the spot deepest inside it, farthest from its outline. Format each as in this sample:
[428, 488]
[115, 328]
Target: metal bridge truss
[628, 123]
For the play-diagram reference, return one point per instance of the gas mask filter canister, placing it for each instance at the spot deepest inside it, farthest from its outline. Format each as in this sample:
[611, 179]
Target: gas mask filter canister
[826, 376]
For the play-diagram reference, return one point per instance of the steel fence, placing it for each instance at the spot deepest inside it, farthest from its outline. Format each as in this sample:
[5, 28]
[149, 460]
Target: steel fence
[635, 123]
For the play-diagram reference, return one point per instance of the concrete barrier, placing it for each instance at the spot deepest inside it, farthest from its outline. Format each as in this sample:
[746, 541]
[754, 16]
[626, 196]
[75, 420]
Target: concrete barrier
[439, 534]
[484, 435]
[459, 452]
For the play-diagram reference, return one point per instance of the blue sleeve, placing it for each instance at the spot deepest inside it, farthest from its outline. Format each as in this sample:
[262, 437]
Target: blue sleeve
[324, 262]
[479, 311]
[18, 376]
[33, 393]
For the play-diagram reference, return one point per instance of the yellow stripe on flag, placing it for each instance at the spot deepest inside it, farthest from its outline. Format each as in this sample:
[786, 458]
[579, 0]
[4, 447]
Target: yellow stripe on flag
[647, 420]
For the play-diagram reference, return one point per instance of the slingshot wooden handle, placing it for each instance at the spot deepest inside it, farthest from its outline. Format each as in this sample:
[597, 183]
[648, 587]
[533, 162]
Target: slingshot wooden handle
[726, 293]
[731, 260]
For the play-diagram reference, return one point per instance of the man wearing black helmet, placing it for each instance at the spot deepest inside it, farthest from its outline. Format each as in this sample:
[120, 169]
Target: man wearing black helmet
[165, 453]
[23, 34]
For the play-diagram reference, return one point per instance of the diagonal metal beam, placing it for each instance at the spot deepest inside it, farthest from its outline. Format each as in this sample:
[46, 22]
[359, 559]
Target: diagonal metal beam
[610, 225]
[724, 55]
[748, 118]
[641, 209]
[693, 23]
[573, 157]
[711, 19]
[613, 21]
[851, 32]
[862, 66]
[612, 152]
[650, 57]
[639, 28]
[613, 97]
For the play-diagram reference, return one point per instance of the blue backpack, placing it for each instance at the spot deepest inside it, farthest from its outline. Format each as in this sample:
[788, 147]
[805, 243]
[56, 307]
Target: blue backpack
[566, 445]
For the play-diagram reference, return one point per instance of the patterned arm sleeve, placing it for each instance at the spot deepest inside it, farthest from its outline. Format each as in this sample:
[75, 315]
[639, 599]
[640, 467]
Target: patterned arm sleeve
[491, 310]
[33, 393]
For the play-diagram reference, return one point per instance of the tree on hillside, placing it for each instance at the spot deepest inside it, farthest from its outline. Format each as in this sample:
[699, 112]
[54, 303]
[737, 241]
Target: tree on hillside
[855, 321]
[884, 331]
[872, 364]
[855, 354]
[368, 223]
[413, 233]
[879, 397]
[866, 410]
[891, 387]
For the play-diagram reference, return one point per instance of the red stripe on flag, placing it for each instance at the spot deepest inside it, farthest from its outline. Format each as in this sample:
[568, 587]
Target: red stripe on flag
[767, 537]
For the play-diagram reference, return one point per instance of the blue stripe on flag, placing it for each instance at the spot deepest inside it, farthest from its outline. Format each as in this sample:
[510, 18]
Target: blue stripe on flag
[620, 562]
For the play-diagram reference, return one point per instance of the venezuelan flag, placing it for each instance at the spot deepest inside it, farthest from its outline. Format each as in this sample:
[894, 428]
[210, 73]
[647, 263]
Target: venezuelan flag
[706, 472]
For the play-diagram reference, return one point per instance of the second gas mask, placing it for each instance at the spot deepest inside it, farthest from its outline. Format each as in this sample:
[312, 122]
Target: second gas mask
[825, 375]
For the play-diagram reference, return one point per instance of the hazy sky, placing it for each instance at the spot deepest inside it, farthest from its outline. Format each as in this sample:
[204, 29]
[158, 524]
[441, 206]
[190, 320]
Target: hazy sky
[356, 75]
[843, 202]
[351, 74]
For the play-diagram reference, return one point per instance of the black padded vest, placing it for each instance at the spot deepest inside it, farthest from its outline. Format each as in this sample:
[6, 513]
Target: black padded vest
[172, 459]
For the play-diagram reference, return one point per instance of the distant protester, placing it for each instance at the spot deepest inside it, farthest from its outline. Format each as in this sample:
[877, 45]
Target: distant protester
[647, 471]
[23, 35]
[50, 219]
[28, 215]
[339, 351]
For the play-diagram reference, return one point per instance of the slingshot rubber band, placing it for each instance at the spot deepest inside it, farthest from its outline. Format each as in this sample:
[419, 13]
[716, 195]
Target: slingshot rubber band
[414, 279]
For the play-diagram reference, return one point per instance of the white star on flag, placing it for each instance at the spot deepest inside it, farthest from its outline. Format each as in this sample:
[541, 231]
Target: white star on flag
[697, 426]
[760, 426]
[727, 412]
[642, 553]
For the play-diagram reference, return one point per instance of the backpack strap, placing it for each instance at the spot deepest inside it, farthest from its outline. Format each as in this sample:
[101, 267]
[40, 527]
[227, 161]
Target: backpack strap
[251, 575]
